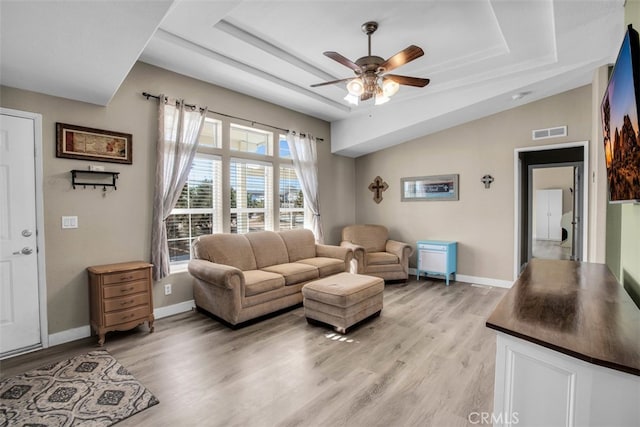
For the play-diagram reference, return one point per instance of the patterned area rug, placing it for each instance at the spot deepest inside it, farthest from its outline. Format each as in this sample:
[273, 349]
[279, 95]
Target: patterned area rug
[92, 389]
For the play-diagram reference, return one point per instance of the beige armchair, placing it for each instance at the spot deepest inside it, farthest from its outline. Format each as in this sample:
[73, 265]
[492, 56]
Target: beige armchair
[376, 255]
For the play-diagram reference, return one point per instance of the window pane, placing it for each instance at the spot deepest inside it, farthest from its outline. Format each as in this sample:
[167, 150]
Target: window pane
[251, 196]
[291, 199]
[177, 226]
[199, 208]
[211, 135]
[201, 224]
[283, 146]
[179, 250]
[251, 140]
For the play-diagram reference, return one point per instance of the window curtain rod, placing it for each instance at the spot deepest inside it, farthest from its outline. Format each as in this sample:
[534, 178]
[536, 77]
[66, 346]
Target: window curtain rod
[253, 122]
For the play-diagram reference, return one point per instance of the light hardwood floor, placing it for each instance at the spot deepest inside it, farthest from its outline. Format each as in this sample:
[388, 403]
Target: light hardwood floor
[428, 360]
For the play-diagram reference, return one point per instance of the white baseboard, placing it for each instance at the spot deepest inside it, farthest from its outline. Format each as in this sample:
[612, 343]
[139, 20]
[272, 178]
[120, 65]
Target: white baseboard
[170, 310]
[85, 331]
[477, 280]
[69, 335]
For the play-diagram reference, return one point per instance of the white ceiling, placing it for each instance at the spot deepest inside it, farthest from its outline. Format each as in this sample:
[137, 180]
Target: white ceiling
[478, 53]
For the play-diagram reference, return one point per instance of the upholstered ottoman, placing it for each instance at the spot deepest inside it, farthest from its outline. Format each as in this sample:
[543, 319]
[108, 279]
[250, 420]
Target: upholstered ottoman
[343, 299]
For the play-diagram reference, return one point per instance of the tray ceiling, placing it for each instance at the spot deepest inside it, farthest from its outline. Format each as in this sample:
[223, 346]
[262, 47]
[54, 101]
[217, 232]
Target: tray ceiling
[478, 53]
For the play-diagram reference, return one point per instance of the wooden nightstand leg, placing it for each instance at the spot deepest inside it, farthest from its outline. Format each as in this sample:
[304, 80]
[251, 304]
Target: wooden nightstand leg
[101, 339]
[150, 323]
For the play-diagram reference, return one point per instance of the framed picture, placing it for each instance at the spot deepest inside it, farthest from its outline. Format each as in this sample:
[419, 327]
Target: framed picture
[77, 142]
[435, 187]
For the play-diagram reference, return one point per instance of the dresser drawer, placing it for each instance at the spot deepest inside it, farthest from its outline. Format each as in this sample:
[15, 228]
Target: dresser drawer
[125, 276]
[125, 316]
[433, 247]
[112, 291]
[113, 304]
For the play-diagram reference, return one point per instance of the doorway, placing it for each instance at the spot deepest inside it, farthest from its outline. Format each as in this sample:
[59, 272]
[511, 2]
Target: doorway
[526, 161]
[23, 315]
[555, 211]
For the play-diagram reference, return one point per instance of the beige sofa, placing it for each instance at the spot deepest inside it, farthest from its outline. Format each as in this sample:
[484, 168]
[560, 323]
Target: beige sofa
[375, 254]
[239, 277]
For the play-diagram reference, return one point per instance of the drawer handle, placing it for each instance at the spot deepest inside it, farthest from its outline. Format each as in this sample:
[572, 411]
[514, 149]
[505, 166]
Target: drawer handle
[128, 316]
[128, 289]
[126, 277]
[128, 302]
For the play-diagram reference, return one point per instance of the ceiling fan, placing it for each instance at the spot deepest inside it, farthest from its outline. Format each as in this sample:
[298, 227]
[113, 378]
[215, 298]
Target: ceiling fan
[371, 80]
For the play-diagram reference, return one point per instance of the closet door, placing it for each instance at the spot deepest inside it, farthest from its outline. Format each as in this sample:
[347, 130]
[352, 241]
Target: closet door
[555, 214]
[542, 217]
[548, 214]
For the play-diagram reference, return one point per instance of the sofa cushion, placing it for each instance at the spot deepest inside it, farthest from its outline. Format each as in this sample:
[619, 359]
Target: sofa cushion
[228, 249]
[377, 258]
[258, 281]
[325, 266]
[372, 237]
[300, 244]
[294, 272]
[268, 248]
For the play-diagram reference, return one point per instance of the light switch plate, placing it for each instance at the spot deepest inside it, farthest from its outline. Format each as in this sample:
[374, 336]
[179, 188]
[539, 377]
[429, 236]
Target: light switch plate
[69, 222]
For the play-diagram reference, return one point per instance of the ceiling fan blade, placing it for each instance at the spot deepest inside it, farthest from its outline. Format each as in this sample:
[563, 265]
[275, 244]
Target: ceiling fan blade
[409, 81]
[402, 57]
[331, 82]
[344, 61]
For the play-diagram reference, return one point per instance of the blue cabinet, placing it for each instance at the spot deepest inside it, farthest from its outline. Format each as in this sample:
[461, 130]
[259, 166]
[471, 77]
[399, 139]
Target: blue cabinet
[436, 257]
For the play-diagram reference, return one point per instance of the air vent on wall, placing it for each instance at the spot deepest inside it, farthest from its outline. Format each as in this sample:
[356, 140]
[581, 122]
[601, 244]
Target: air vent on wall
[555, 132]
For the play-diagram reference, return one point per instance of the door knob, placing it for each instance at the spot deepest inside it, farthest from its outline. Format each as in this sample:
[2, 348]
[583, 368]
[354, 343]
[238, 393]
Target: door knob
[25, 251]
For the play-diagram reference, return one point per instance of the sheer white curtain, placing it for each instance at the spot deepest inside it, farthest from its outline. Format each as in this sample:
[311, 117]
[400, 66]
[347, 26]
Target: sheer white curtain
[305, 162]
[179, 128]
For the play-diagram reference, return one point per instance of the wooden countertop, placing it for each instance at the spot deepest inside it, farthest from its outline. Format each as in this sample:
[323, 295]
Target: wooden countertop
[574, 308]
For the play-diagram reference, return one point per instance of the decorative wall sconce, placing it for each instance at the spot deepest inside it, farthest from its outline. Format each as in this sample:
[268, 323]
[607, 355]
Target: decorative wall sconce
[487, 180]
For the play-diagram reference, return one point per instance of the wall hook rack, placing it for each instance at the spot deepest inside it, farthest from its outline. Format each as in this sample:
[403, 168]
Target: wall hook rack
[78, 180]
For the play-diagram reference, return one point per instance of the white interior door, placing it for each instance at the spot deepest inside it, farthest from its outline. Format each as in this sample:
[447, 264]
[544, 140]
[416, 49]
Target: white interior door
[555, 214]
[542, 217]
[20, 326]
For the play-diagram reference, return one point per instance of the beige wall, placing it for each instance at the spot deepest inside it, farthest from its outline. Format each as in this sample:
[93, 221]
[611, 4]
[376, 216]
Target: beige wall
[115, 226]
[482, 221]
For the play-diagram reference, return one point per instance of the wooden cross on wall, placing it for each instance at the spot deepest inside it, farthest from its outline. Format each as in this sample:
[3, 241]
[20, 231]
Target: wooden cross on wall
[378, 186]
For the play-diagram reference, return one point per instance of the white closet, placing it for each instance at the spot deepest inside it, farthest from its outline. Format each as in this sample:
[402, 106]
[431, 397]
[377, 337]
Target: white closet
[548, 214]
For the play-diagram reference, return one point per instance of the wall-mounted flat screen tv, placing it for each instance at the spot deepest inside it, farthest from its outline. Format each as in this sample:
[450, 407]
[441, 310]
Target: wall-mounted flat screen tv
[619, 109]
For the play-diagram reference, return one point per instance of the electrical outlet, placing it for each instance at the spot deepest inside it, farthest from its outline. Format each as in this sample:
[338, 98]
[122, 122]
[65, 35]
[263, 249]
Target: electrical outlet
[167, 289]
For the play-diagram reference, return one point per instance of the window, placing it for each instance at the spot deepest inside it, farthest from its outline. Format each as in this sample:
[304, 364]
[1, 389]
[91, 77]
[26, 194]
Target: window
[251, 140]
[211, 135]
[291, 199]
[199, 208]
[264, 191]
[283, 147]
[251, 196]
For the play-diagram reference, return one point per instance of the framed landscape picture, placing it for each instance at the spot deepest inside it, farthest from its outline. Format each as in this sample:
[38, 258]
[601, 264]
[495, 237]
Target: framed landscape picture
[82, 143]
[435, 187]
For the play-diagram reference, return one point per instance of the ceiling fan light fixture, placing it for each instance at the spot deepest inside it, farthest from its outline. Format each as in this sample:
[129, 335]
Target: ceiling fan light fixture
[381, 98]
[390, 87]
[351, 99]
[355, 87]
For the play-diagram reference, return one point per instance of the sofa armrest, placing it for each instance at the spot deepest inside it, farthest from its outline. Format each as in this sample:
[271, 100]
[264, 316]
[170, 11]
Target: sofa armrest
[331, 251]
[220, 275]
[400, 249]
[358, 256]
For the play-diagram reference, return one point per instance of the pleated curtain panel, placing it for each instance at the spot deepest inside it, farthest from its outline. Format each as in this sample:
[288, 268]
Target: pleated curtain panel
[305, 161]
[179, 128]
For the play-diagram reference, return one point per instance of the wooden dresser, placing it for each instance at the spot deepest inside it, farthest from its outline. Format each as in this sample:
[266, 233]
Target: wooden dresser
[120, 297]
